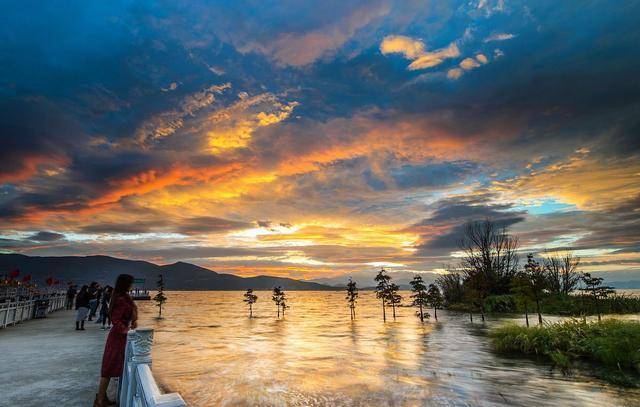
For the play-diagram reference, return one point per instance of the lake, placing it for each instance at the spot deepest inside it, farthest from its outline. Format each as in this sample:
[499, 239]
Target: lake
[208, 349]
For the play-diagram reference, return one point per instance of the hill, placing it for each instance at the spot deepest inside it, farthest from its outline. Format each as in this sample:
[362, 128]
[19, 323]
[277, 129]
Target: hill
[178, 276]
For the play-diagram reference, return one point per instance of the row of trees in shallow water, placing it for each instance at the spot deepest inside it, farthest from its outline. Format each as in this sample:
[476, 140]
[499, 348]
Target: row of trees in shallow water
[386, 291]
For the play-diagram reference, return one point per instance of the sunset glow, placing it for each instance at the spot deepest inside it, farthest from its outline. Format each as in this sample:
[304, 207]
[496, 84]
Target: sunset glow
[318, 144]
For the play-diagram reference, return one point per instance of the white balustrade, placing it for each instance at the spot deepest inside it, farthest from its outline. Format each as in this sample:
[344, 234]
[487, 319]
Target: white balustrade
[17, 310]
[137, 387]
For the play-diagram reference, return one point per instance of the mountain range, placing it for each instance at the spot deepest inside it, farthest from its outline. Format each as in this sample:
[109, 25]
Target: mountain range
[177, 276]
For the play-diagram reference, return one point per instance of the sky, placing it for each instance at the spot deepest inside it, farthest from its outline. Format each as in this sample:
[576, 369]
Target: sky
[320, 140]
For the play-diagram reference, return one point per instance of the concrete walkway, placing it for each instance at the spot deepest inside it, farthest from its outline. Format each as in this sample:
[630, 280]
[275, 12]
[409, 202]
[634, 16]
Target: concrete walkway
[46, 362]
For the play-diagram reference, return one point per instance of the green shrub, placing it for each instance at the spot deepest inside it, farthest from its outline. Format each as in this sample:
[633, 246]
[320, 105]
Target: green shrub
[500, 303]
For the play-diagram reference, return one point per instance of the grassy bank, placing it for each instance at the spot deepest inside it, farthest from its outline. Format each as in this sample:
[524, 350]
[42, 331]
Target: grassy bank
[612, 344]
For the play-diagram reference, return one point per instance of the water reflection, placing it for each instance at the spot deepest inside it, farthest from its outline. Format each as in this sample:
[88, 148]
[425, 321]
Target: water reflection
[213, 354]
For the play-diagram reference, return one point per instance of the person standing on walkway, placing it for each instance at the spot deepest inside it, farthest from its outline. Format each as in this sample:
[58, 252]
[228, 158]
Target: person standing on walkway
[82, 307]
[104, 307]
[93, 299]
[124, 316]
[71, 294]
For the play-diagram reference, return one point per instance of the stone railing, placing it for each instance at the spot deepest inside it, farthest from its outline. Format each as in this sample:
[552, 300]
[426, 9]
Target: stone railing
[19, 310]
[137, 387]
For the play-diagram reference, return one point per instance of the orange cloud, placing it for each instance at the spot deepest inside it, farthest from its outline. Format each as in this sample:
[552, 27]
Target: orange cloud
[415, 50]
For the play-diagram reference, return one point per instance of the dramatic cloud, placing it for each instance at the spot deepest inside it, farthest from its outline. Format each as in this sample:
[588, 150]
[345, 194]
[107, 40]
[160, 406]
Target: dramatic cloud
[318, 141]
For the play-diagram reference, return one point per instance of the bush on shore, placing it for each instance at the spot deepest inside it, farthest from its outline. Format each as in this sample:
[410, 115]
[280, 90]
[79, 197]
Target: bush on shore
[611, 343]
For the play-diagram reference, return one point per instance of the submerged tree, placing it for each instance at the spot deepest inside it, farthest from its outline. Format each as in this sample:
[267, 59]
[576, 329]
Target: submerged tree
[536, 281]
[352, 296]
[420, 296]
[562, 272]
[393, 297]
[277, 298]
[250, 298]
[594, 289]
[522, 289]
[160, 299]
[283, 302]
[382, 290]
[435, 299]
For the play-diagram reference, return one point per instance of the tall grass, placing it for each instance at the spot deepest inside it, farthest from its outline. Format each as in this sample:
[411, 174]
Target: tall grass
[611, 343]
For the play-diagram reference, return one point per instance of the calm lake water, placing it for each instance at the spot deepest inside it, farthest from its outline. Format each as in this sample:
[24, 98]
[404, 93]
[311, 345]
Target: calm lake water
[208, 349]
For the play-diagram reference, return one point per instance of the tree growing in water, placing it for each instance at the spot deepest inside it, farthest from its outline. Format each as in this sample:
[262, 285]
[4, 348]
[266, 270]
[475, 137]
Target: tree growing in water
[160, 299]
[382, 290]
[522, 289]
[536, 281]
[277, 298]
[434, 297]
[283, 302]
[420, 296]
[352, 296]
[393, 298]
[594, 289]
[250, 298]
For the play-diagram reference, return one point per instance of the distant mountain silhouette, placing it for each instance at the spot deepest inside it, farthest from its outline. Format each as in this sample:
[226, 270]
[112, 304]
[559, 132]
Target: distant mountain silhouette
[178, 276]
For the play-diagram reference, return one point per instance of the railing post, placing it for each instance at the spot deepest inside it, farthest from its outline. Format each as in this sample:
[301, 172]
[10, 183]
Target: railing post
[139, 343]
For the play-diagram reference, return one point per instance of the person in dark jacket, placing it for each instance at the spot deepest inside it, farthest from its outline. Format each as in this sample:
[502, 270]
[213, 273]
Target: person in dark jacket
[93, 299]
[104, 307]
[82, 307]
[71, 294]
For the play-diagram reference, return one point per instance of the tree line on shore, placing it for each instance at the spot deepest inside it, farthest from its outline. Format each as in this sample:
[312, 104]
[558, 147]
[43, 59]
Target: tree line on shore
[489, 276]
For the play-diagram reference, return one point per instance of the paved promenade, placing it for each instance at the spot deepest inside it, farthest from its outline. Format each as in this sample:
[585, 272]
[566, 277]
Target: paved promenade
[45, 362]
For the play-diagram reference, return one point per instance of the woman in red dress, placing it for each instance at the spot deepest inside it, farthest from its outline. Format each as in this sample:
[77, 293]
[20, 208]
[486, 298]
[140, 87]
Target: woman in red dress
[124, 315]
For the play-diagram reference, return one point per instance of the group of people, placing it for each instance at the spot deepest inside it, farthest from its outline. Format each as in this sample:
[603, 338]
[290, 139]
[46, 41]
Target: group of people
[117, 309]
[88, 301]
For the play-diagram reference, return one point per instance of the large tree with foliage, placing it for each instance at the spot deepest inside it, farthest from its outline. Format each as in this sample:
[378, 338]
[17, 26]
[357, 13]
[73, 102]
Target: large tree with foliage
[594, 289]
[352, 296]
[434, 297]
[562, 272]
[451, 285]
[490, 260]
[250, 298]
[160, 299]
[419, 296]
[382, 290]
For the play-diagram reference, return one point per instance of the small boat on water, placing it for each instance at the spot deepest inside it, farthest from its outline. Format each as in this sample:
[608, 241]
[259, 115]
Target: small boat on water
[139, 292]
[140, 295]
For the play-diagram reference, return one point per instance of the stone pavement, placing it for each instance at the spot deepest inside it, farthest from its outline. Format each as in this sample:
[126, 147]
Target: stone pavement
[46, 362]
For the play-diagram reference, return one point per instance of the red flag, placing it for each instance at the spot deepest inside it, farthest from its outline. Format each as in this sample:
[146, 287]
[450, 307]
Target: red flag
[49, 281]
[26, 278]
[15, 273]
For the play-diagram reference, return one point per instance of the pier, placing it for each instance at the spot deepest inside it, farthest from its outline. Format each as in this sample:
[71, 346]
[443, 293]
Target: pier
[45, 362]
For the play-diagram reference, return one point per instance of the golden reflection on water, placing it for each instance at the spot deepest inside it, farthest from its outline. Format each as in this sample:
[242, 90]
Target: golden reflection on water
[208, 349]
